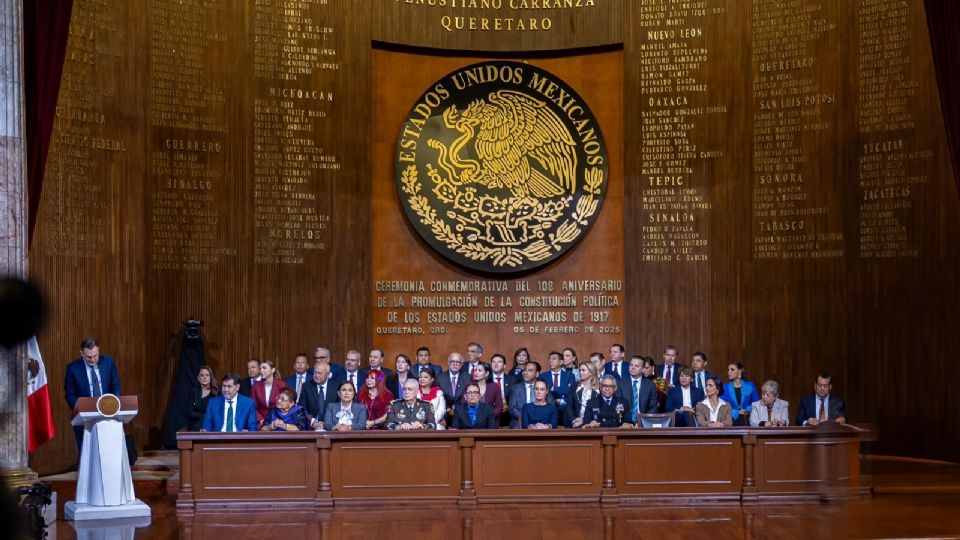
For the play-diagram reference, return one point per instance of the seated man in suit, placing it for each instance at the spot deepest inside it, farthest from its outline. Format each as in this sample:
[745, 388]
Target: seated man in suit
[682, 399]
[821, 406]
[351, 365]
[474, 358]
[230, 411]
[700, 372]
[770, 410]
[637, 391]
[558, 381]
[452, 381]
[607, 410]
[423, 360]
[253, 375]
[473, 414]
[301, 374]
[319, 391]
[322, 354]
[617, 366]
[91, 375]
[505, 380]
[375, 359]
[522, 393]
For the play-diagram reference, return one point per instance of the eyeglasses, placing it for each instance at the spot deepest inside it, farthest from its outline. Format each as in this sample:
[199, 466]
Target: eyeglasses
[472, 392]
[608, 386]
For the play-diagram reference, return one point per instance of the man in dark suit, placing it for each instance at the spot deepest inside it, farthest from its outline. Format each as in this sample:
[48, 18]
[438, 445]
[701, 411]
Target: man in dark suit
[352, 371]
[322, 354]
[375, 359]
[700, 371]
[820, 406]
[423, 360]
[558, 381]
[607, 410]
[320, 390]
[301, 374]
[452, 381]
[474, 357]
[637, 391]
[473, 414]
[522, 392]
[230, 411]
[91, 375]
[669, 370]
[253, 375]
[498, 363]
[617, 366]
[683, 398]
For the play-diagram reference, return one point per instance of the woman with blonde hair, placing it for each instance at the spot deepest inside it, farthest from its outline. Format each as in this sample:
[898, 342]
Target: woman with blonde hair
[580, 394]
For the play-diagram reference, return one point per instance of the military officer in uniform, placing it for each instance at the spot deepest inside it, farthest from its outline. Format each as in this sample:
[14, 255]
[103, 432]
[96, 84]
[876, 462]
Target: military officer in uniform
[607, 410]
[410, 412]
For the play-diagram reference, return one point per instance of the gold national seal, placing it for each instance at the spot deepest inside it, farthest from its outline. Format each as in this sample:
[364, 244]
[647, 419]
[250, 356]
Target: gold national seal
[501, 167]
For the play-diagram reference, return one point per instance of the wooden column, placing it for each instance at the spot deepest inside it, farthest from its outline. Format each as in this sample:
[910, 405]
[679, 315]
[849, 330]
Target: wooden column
[748, 494]
[185, 498]
[468, 495]
[609, 493]
[324, 496]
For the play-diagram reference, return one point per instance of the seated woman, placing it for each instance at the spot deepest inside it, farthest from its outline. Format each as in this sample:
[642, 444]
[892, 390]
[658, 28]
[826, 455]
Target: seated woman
[770, 410]
[286, 416]
[489, 391]
[520, 359]
[201, 397]
[376, 399]
[607, 410]
[713, 411]
[411, 412]
[396, 381]
[346, 414]
[580, 394]
[739, 393]
[473, 413]
[538, 414]
[432, 394]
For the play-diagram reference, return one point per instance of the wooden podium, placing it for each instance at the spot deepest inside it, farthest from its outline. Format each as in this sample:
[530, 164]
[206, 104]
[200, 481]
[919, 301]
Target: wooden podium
[104, 482]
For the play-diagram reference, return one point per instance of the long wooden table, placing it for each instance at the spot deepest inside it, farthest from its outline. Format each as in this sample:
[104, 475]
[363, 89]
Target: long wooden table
[619, 466]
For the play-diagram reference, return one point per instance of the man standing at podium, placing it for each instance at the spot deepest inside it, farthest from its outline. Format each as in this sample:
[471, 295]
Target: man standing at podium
[91, 375]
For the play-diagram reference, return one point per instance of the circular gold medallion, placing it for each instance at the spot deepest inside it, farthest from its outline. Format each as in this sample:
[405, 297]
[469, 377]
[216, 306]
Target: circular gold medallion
[501, 167]
[108, 405]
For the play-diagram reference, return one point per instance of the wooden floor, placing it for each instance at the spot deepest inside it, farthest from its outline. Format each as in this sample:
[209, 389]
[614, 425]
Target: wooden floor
[912, 499]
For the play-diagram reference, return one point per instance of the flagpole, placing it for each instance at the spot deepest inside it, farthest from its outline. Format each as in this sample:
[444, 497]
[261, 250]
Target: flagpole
[14, 458]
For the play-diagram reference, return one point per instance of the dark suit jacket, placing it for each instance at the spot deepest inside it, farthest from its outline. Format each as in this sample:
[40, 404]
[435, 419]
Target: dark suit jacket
[394, 386]
[310, 398]
[199, 409]
[707, 374]
[245, 417]
[608, 415]
[246, 387]
[622, 374]
[415, 369]
[336, 371]
[808, 408]
[518, 398]
[508, 382]
[387, 373]
[292, 380]
[260, 398]
[675, 398]
[574, 404]
[485, 417]
[560, 392]
[359, 411]
[465, 369]
[76, 384]
[452, 395]
[648, 396]
[674, 374]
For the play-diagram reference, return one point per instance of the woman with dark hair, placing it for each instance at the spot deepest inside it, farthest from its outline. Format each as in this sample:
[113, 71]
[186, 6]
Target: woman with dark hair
[286, 416]
[538, 414]
[649, 372]
[396, 381]
[570, 364]
[489, 391]
[520, 359]
[266, 390]
[201, 396]
[739, 393]
[713, 411]
[430, 392]
[346, 414]
[376, 398]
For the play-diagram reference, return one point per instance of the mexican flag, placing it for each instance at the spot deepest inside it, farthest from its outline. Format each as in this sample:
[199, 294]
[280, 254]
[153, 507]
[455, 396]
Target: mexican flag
[39, 416]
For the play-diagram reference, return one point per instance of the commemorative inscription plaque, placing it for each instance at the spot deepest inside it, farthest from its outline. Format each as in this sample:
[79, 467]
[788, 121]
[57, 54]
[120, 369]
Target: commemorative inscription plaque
[501, 167]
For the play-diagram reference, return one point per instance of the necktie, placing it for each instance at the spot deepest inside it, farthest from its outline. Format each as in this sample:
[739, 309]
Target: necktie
[823, 410]
[353, 379]
[473, 367]
[636, 400]
[97, 391]
[229, 426]
[299, 385]
[669, 375]
[700, 380]
[453, 383]
[769, 413]
[500, 384]
[321, 392]
[556, 380]
[529, 393]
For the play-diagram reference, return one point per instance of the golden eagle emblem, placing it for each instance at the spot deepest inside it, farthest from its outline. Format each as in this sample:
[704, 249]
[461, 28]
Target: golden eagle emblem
[499, 177]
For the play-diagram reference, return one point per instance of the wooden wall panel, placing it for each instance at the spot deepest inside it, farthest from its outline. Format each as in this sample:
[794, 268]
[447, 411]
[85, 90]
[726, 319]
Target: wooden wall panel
[866, 289]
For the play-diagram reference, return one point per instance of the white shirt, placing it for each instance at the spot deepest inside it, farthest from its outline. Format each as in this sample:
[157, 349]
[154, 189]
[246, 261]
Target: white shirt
[300, 379]
[529, 392]
[499, 380]
[226, 408]
[686, 396]
[86, 367]
[713, 412]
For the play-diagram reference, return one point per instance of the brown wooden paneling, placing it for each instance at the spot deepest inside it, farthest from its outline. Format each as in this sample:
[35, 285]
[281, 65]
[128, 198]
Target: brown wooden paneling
[680, 466]
[503, 468]
[430, 468]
